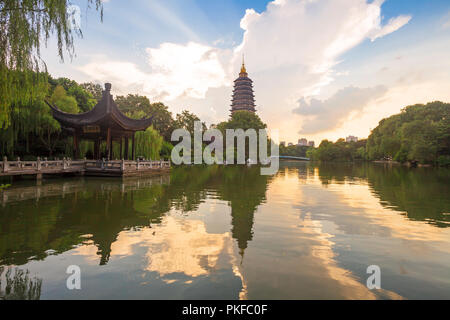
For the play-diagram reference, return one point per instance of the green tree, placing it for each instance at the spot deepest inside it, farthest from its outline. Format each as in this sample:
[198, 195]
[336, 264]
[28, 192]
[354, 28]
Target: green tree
[149, 144]
[339, 151]
[242, 120]
[186, 120]
[84, 98]
[162, 117]
[245, 120]
[24, 26]
[133, 103]
[162, 120]
[64, 102]
[94, 89]
[420, 133]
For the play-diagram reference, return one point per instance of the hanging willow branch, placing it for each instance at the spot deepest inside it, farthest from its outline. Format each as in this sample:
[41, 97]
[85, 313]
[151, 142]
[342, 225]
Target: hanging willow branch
[24, 26]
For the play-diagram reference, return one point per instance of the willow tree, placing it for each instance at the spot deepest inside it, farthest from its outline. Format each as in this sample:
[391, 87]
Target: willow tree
[149, 144]
[24, 26]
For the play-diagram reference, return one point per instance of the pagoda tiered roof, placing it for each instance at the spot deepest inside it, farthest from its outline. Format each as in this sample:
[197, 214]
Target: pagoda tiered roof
[243, 96]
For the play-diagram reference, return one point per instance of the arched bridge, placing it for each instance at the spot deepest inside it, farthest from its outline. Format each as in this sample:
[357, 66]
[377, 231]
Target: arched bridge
[292, 158]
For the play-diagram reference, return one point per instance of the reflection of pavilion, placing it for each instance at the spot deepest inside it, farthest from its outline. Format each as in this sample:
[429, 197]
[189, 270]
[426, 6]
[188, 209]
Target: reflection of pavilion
[98, 209]
[103, 210]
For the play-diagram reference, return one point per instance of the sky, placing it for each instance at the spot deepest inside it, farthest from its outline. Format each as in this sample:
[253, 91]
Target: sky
[322, 69]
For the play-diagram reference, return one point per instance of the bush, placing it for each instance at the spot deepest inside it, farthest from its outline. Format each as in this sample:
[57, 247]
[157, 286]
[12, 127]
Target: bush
[444, 161]
[401, 156]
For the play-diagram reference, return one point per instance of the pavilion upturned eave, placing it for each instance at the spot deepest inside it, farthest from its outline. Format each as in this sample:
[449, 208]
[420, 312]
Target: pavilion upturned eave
[105, 113]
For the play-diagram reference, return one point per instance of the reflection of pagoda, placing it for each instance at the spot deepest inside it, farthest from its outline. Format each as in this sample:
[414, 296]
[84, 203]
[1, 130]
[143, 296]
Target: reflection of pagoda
[245, 189]
[243, 97]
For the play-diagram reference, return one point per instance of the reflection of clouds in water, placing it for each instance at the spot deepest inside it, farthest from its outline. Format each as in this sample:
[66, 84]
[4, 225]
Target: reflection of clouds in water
[309, 267]
[183, 246]
[364, 232]
[177, 249]
[362, 200]
[350, 286]
[174, 246]
[303, 239]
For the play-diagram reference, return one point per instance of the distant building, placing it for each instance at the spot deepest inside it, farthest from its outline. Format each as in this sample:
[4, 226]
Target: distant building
[351, 139]
[311, 144]
[302, 142]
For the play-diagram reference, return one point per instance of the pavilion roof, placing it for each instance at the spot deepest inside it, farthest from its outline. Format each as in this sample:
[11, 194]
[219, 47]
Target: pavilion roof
[105, 113]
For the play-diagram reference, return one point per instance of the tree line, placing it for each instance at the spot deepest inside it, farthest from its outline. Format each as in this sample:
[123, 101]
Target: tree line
[418, 134]
[32, 131]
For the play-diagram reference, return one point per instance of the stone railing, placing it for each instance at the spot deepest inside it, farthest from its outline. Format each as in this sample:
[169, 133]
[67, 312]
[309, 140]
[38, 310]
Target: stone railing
[39, 165]
[126, 165]
[46, 166]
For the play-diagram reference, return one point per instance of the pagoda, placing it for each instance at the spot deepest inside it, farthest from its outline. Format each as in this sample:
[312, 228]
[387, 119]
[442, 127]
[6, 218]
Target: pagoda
[243, 97]
[104, 123]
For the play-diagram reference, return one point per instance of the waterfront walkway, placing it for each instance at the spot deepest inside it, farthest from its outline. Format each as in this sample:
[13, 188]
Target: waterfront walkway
[108, 168]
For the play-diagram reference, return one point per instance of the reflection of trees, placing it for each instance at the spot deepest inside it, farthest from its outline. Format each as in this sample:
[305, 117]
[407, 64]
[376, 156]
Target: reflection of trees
[99, 210]
[19, 285]
[104, 214]
[341, 172]
[28, 229]
[422, 193]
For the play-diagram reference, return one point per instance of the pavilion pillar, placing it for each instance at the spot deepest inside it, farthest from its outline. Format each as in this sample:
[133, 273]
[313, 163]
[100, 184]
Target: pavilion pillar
[108, 144]
[120, 152]
[111, 150]
[126, 148]
[76, 146]
[96, 149]
[133, 148]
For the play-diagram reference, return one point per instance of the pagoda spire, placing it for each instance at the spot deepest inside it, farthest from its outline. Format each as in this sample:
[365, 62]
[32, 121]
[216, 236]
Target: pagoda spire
[243, 70]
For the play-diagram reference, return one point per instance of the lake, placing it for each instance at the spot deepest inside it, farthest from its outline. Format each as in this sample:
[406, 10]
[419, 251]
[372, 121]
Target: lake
[309, 232]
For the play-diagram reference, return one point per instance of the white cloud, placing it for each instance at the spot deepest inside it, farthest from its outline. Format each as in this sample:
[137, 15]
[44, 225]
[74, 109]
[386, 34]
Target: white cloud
[123, 75]
[176, 71]
[310, 32]
[291, 49]
[293, 46]
[185, 70]
[331, 113]
[393, 25]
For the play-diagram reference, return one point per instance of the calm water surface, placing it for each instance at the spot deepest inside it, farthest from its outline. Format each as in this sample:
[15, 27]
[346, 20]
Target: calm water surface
[309, 232]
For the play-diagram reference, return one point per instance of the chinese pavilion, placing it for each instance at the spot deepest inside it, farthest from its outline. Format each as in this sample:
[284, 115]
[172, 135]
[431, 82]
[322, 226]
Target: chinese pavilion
[105, 122]
[243, 97]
